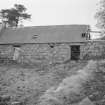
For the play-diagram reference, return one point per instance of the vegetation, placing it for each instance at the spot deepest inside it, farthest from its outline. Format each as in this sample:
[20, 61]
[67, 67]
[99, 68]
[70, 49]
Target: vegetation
[100, 15]
[29, 84]
[94, 50]
[75, 88]
[13, 15]
[62, 84]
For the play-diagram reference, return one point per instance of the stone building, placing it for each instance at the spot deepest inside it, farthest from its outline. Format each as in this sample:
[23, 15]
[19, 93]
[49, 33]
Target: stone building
[50, 44]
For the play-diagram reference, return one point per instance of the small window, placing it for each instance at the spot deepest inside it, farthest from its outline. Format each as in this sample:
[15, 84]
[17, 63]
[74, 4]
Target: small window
[51, 45]
[83, 35]
[34, 36]
[16, 45]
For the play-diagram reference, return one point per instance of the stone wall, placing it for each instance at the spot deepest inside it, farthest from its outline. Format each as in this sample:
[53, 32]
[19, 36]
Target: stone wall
[6, 51]
[38, 53]
[94, 50]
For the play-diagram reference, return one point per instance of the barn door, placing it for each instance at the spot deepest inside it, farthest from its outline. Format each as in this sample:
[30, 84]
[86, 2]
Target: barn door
[75, 52]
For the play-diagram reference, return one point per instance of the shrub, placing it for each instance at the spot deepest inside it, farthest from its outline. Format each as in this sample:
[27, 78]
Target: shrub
[94, 50]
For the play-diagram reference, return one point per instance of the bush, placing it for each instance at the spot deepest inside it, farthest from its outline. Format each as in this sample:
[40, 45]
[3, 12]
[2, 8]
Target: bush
[94, 50]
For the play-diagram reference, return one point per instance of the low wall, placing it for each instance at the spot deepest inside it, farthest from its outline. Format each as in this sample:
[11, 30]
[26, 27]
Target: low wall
[39, 53]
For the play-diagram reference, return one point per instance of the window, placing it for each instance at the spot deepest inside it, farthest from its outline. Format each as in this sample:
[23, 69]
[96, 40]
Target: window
[51, 45]
[16, 45]
[83, 35]
[34, 36]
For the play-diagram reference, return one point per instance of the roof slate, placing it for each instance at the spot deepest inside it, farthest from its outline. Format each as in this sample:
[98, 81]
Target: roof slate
[44, 34]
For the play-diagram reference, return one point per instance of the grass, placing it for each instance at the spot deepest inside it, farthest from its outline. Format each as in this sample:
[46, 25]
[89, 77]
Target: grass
[64, 83]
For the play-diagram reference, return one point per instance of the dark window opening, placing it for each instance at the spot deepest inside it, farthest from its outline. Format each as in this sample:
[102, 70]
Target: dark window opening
[16, 45]
[83, 35]
[52, 45]
[75, 52]
[34, 36]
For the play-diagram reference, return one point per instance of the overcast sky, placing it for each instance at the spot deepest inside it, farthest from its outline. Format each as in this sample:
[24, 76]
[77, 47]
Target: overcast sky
[56, 12]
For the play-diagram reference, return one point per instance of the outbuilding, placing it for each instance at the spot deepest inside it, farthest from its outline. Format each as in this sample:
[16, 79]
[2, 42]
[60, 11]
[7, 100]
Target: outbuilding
[52, 43]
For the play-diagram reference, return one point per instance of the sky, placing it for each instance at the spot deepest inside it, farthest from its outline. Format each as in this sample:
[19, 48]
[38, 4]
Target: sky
[57, 12]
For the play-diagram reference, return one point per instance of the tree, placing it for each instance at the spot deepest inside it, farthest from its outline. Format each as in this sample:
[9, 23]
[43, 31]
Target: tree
[13, 15]
[100, 15]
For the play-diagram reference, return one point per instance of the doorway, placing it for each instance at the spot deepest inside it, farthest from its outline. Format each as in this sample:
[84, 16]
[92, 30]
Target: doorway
[75, 52]
[17, 50]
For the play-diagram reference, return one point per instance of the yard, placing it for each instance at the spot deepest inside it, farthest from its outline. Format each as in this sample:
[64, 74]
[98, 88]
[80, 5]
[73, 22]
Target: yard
[60, 84]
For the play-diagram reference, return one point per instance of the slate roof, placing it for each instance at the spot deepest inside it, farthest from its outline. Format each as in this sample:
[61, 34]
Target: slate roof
[44, 34]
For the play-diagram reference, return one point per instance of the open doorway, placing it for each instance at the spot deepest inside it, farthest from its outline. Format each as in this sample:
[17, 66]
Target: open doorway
[75, 52]
[16, 52]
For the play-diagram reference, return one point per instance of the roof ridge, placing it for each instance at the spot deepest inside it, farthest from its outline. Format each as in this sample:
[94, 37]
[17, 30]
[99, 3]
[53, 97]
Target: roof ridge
[48, 26]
